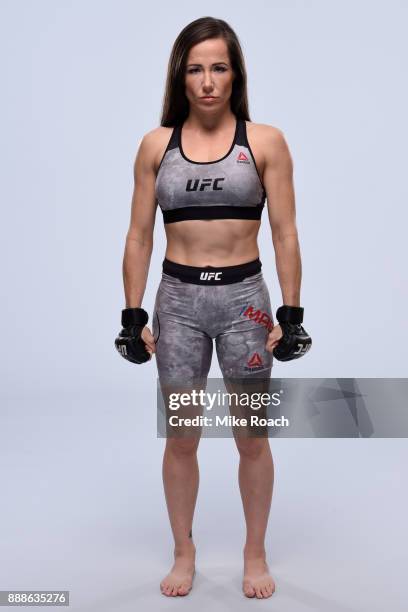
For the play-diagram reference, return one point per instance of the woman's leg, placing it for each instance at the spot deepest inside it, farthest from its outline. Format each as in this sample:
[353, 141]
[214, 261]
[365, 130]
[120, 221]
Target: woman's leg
[183, 354]
[180, 479]
[256, 477]
[243, 359]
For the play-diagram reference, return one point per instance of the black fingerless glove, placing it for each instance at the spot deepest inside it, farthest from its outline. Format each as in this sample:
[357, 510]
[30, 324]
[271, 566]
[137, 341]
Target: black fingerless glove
[129, 342]
[295, 341]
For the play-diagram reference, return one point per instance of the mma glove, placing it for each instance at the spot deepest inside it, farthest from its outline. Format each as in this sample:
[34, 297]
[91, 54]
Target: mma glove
[129, 343]
[295, 341]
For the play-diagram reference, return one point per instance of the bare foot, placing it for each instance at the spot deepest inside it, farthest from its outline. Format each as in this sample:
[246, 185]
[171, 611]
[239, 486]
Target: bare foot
[257, 579]
[180, 579]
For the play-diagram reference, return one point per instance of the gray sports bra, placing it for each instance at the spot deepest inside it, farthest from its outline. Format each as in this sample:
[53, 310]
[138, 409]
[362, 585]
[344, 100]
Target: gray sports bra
[227, 188]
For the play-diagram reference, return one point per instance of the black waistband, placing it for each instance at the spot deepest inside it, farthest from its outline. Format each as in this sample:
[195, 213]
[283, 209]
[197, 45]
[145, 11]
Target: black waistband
[210, 275]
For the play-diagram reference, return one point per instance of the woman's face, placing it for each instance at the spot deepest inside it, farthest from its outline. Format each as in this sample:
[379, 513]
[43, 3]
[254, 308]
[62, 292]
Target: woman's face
[209, 73]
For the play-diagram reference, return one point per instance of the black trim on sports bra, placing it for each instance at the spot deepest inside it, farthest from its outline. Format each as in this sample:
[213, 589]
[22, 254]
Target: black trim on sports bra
[252, 155]
[172, 144]
[188, 213]
[191, 161]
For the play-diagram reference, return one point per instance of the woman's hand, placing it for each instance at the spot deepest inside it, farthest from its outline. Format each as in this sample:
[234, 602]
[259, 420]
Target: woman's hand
[273, 338]
[148, 339]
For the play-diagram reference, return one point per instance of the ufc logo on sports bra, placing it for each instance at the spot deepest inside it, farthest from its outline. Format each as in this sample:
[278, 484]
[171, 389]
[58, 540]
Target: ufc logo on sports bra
[210, 275]
[201, 185]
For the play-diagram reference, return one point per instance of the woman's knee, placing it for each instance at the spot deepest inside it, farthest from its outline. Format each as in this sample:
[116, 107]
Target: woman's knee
[182, 446]
[252, 448]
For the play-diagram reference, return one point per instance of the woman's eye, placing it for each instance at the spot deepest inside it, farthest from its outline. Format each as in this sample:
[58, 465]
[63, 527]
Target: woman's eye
[217, 69]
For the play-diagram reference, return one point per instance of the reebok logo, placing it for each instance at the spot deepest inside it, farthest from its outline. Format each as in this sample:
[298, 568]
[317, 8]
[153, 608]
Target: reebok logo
[207, 276]
[242, 158]
[254, 363]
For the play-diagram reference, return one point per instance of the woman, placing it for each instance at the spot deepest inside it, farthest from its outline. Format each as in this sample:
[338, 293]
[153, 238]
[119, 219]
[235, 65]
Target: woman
[210, 169]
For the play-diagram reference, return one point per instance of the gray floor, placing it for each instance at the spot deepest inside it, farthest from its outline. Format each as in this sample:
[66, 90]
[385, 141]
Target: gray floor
[83, 510]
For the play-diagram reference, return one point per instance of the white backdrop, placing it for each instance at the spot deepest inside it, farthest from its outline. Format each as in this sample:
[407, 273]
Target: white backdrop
[82, 81]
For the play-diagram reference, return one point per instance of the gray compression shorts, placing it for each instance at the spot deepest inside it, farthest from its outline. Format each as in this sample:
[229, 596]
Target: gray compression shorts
[195, 306]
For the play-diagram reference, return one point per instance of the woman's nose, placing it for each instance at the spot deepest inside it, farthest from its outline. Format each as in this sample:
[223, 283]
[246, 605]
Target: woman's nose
[207, 83]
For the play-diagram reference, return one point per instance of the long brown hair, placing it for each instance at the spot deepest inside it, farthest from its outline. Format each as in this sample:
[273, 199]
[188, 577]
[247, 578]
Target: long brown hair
[175, 104]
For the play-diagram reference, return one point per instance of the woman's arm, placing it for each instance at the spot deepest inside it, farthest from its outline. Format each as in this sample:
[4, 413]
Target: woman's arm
[139, 238]
[278, 181]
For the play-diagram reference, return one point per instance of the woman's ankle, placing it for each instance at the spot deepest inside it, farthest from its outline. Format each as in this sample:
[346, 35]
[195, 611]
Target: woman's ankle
[184, 548]
[254, 551]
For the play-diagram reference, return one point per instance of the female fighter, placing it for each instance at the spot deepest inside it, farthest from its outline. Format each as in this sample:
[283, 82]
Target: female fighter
[210, 169]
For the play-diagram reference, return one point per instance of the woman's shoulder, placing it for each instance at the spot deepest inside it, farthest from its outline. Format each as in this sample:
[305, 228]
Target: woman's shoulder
[264, 131]
[153, 143]
[267, 141]
[156, 137]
